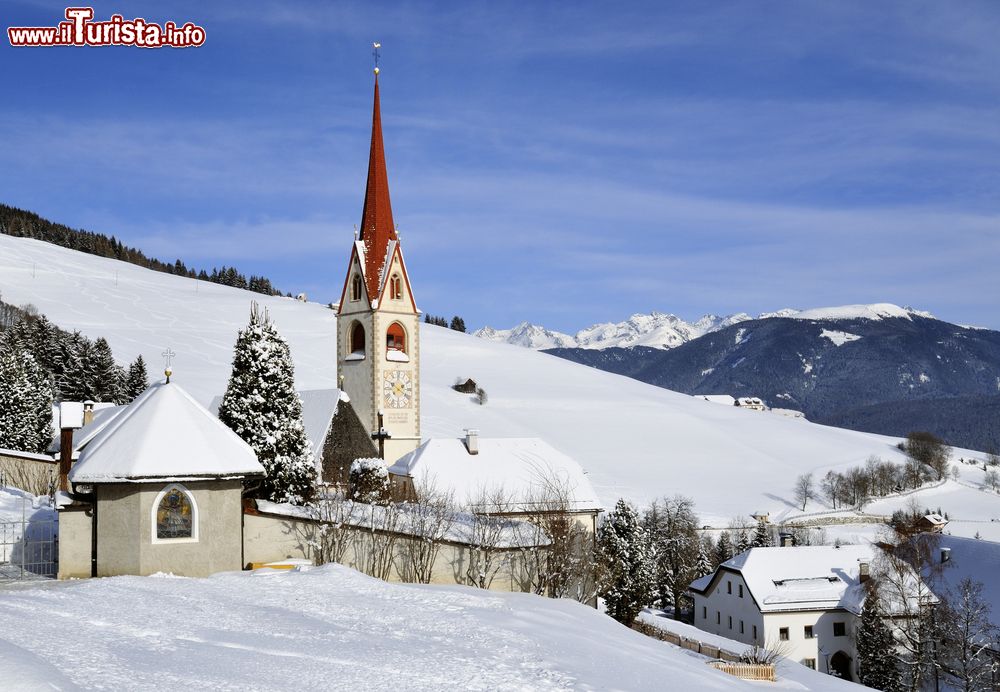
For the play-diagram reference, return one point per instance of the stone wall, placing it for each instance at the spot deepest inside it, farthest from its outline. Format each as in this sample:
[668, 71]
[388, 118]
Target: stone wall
[271, 538]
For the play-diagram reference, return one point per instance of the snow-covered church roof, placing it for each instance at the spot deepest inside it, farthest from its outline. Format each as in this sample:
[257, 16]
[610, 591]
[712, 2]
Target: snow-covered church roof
[164, 434]
[523, 468]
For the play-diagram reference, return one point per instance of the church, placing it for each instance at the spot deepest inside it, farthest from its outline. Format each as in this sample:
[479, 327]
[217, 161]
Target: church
[161, 485]
[378, 323]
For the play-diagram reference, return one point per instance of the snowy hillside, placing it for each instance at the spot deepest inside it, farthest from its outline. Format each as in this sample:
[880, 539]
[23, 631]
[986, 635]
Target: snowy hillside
[332, 628]
[635, 440]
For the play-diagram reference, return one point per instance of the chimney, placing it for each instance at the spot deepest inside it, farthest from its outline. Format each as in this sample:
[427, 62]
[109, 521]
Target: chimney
[88, 412]
[945, 555]
[864, 572]
[472, 441]
[71, 417]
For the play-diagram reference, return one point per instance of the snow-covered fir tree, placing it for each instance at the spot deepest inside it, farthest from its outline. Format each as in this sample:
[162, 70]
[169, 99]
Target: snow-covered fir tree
[106, 384]
[876, 649]
[761, 535]
[624, 550]
[724, 550]
[136, 380]
[743, 543]
[262, 407]
[703, 565]
[25, 403]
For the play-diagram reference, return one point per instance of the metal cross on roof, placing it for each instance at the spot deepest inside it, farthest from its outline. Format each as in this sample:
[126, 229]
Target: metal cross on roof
[376, 53]
[168, 355]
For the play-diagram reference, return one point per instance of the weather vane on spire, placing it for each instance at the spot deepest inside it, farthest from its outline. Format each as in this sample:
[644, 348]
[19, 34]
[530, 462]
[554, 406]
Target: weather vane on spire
[168, 355]
[376, 51]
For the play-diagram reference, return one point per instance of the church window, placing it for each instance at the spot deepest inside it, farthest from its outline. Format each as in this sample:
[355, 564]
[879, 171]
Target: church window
[355, 287]
[175, 515]
[395, 287]
[357, 338]
[395, 338]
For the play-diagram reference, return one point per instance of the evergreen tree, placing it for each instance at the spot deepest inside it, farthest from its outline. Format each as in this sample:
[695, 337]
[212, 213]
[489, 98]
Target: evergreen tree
[761, 536]
[106, 377]
[26, 396]
[457, 323]
[136, 380]
[876, 649]
[742, 541]
[724, 550]
[624, 550]
[703, 565]
[262, 407]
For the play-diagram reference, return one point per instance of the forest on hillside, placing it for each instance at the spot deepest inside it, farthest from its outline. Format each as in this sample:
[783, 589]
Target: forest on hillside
[25, 224]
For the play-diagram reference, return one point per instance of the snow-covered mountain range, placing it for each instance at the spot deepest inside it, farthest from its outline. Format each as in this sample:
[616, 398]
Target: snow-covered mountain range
[664, 330]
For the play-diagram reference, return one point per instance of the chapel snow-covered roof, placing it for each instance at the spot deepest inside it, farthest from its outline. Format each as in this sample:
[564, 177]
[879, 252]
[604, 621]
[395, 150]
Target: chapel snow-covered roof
[164, 434]
[520, 467]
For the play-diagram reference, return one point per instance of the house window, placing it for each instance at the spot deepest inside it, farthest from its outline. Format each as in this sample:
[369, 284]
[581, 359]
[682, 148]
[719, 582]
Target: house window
[729, 587]
[839, 629]
[395, 338]
[355, 287]
[741, 627]
[783, 634]
[730, 622]
[755, 632]
[395, 287]
[704, 612]
[808, 631]
[809, 663]
[357, 338]
[741, 590]
[718, 618]
[175, 515]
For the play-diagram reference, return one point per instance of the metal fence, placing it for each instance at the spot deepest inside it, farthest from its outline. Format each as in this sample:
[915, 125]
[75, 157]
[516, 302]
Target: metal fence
[29, 547]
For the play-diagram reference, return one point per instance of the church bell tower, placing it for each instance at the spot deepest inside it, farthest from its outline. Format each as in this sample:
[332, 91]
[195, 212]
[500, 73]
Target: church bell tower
[378, 324]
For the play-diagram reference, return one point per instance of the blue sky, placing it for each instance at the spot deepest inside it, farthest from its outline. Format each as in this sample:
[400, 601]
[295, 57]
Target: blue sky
[563, 163]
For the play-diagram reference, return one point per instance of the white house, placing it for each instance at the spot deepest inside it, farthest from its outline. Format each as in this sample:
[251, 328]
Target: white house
[751, 402]
[804, 600]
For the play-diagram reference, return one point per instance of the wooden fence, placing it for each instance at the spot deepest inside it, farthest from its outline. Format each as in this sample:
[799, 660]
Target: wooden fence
[728, 662]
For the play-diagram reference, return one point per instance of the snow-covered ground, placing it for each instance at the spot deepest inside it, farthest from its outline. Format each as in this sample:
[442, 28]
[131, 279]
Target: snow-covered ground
[328, 628]
[635, 440]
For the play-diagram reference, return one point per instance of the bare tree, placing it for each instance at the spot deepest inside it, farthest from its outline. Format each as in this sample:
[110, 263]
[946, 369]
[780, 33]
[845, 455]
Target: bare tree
[558, 558]
[969, 639]
[375, 545]
[991, 479]
[804, 489]
[489, 534]
[902, 571]
[331, 535]
[429, 520]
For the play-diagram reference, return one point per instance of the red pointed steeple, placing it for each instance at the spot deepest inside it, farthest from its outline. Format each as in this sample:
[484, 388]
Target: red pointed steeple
[377, 228]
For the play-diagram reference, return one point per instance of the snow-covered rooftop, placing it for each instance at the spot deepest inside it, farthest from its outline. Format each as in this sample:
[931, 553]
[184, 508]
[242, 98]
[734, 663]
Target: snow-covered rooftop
[81, 436]
[520, 467]
[801, 577]
[164, 433]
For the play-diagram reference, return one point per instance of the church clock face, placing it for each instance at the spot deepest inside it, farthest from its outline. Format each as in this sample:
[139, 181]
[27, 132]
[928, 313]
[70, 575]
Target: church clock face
[397, 389]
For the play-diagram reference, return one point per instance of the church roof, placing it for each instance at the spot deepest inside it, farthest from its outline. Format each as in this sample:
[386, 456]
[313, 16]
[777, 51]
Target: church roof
[164, 434]
[377, 228]
[523, 468]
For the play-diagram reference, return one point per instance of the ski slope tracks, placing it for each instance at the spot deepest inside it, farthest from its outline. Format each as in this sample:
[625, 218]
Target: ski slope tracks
[635, 440]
